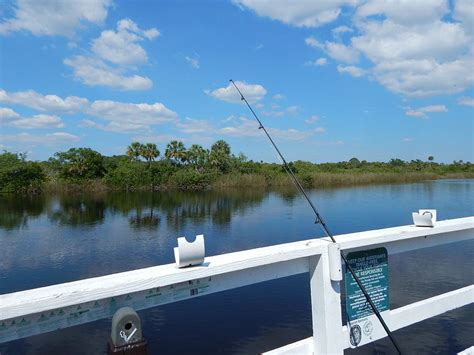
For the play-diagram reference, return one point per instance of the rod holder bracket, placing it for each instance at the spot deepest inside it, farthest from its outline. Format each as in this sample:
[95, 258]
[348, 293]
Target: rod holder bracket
[126, 336]
[189, 254]
[335, 262]
[424, 218]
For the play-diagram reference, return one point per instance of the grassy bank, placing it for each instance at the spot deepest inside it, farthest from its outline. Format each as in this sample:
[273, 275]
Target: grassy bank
[333, 179]
[83, 169]
[315, 180]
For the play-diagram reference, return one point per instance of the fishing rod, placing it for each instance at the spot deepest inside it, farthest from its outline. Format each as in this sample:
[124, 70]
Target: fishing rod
[319, 220]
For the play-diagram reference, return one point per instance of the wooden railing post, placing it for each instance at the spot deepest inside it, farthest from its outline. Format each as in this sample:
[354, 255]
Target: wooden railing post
[326, 307]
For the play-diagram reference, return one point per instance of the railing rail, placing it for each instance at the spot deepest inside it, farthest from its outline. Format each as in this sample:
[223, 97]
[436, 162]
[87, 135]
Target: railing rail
[45, 309]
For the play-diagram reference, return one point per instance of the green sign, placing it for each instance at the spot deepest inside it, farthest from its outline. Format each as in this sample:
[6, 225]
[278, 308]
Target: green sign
[371, 267]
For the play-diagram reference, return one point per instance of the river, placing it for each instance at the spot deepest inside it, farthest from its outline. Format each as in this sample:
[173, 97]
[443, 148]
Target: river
[51, 239]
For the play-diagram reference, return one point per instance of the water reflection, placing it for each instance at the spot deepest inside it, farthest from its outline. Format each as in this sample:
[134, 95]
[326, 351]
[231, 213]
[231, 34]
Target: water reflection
[77, 210]
[15, 210]
[142, 210]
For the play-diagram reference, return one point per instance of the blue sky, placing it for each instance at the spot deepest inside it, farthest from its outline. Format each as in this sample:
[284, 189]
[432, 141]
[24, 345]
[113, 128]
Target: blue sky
[332, 80]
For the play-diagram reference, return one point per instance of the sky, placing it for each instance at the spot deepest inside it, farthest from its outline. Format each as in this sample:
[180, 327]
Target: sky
[330, 79]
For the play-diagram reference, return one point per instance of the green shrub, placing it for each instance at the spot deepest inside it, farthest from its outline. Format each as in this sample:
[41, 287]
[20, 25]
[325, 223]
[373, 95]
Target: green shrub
[17, 175]
[190, 180]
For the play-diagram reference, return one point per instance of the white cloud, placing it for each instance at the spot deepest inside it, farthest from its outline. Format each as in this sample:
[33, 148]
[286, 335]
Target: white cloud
[313, 42]
[406, 12]
[122, 116]
[352, 70]
[319, 130]
[278, 97]
[335, 50]
[40, 102]
[121, 47]
[466, 101]
[249, 128]
[43, 139]
[194, 62]
[320, 61]
[7, 114]
[136, 114]
[54, 17]
[252, 92]
[408, 139]
[421, 112]
[292, 110]
[300, 13]
[341, 52]
[8, 117]
[117, 127]
[312, 119]
[38, 121]
[115, 53]
[341, 29]
[190, 125]
[464, 12]
[415, 113]
[414, 49]
[92, 72]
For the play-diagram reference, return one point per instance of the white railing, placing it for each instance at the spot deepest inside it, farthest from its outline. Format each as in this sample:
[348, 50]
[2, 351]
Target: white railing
[45, 309]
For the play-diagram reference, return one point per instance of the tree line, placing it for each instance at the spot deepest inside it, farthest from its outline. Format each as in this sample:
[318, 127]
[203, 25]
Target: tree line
[142, 166]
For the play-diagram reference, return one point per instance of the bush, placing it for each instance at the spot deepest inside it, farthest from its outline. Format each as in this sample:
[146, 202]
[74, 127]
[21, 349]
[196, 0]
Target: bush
[17, 175]
[128, 175]
[190, 180]
[79, 164]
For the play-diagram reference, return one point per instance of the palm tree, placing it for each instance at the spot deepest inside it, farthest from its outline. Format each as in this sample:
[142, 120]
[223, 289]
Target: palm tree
[198, 156]
[176, 151]
[149, 152]
[220, 155]
[134, 151]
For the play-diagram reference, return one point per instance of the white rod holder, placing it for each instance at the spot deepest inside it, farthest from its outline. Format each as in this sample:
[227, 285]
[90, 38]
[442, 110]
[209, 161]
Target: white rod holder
[335, 268]
[189, 254]
[424, 218]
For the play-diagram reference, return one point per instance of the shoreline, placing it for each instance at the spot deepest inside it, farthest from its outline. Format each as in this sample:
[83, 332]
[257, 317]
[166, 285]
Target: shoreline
[312, 181]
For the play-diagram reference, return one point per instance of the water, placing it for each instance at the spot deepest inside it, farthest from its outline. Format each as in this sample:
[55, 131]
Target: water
[46, 240]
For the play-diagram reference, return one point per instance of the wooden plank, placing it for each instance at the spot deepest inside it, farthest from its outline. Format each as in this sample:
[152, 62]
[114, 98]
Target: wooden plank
[399, 318]
[431, 307]
[42, 322]
[406, 238]
[77, 292]
[428, 308]
[304, 346]
[325, 307]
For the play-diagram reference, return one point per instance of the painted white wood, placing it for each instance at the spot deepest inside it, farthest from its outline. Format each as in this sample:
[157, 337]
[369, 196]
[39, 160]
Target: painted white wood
[326, 307]
[335, 262]
[38, 323]
[399, 318]
[304, 346]
[229, 271]
[428, 308]
[396, 239]
[468, 351]
[57, 296]
[431, 307]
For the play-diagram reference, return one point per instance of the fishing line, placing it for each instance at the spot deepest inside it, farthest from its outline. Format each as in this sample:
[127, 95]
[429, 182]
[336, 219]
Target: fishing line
[319, 219]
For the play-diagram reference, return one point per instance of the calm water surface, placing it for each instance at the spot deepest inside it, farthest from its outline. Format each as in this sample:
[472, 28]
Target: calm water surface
[46, 240]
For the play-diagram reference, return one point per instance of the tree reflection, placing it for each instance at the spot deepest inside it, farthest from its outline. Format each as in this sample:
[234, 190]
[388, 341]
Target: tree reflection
[78, 210]
[143, 210]
[16, 209]
[144, 219]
